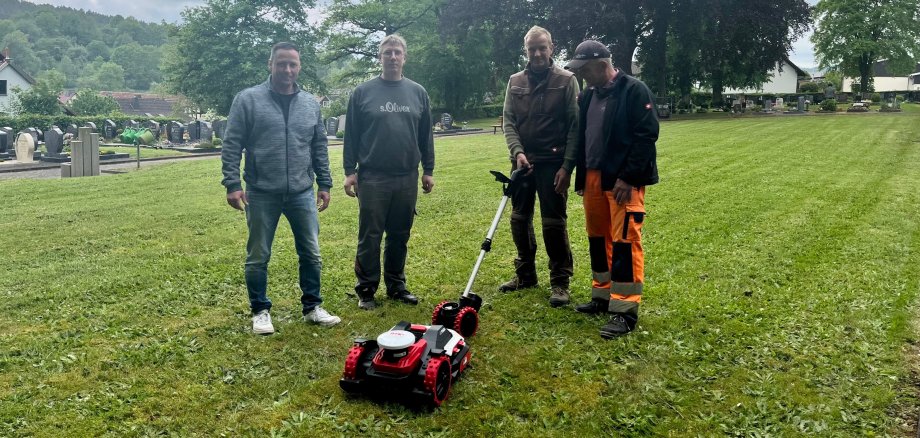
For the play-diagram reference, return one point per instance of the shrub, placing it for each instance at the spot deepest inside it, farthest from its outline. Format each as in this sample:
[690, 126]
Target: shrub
[217, 141]
[756, 108]
[829, 105]
[340, 134]
[875, 98]
[701, 110]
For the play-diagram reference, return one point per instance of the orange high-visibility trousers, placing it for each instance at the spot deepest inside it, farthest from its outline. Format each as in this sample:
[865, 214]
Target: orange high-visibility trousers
[615, 246]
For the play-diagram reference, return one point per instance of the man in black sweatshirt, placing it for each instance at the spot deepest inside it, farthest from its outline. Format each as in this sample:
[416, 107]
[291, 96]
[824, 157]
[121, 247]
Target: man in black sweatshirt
[387, 134]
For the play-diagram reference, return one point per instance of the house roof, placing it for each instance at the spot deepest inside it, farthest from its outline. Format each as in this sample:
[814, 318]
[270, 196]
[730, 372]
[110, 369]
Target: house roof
[6, 63]
[880, 69]
[141, 103]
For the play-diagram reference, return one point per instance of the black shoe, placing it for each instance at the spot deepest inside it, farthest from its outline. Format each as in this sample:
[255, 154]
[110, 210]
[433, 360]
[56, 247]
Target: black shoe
[403, 296]
[593, 307]
[617, 326]
[516, 284]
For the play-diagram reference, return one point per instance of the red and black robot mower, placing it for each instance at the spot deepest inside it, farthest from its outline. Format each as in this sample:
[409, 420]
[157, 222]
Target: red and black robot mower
[417, 361]
[463, 316]
[421, 362]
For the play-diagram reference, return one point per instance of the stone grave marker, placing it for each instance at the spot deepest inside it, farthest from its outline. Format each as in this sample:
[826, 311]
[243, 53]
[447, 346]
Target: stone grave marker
[220, 127]
[206, 131]
[109, 129]
[176, 132]
[331, 124]
[71, 129]
[25, 148]
[341, 124]
[843, 98]
[4, 142]
[801, 104]
[447, 121]
[194, 131]
[91, 126]
[154, 128]
[54, 141]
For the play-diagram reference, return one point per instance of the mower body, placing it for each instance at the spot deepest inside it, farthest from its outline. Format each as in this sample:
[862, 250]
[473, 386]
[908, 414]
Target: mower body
[412, 362]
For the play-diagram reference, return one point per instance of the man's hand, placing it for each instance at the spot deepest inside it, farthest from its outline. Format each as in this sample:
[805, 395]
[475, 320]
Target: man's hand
[427, 183]
[237, 200]
[562, 180]
[351, 185]
[322, 201]
[622, 191]
[522, 163]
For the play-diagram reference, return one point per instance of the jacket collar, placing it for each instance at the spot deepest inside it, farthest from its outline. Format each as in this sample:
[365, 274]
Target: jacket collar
[268, 85]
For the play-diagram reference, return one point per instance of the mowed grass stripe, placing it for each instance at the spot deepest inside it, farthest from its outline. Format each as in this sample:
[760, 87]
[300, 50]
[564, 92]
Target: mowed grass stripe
[782, 276]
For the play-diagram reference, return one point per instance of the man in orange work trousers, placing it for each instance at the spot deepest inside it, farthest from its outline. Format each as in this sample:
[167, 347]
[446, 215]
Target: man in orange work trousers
[618, 128]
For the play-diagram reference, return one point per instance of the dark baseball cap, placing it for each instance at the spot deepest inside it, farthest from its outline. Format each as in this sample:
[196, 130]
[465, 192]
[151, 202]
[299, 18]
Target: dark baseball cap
[586, 51]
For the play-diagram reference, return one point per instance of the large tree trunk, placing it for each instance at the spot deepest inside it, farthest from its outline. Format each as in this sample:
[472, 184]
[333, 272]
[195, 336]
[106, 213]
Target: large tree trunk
[661, 20]
[717, 88]
[865, 73]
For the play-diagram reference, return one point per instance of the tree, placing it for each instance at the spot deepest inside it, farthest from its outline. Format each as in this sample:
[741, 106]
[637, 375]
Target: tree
[41, 99]
[140, 63]
[852, 35]
[87, 102]
[224, 46]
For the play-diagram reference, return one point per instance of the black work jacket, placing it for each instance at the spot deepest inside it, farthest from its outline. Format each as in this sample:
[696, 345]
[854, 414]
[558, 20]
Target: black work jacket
[630, 133]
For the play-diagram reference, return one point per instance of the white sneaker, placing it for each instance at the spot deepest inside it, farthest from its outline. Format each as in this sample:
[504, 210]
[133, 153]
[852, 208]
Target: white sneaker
[262, 323]
[320, 316]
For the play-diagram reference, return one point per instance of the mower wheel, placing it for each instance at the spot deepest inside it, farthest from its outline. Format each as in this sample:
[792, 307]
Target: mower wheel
[437, 380]
[436, 315]
[352, 362]
[467, 322]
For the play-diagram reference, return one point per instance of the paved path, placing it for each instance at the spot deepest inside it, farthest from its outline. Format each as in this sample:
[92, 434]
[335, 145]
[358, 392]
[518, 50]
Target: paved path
[105, 168]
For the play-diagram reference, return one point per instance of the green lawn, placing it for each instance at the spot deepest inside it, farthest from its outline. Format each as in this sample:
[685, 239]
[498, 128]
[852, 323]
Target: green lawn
[783, 266]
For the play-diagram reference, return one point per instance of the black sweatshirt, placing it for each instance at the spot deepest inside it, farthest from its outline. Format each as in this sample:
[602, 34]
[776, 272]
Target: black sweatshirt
[388, 129]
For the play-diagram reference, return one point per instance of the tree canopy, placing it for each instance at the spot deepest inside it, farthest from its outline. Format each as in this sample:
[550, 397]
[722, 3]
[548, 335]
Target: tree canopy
[851, 35]
[224, 46]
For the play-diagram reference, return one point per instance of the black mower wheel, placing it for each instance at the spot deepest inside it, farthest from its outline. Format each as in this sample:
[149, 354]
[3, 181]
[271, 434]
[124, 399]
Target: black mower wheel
[437, 380]
[467, 322]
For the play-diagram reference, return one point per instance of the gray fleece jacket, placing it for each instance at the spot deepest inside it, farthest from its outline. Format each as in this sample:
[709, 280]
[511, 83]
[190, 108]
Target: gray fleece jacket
[280, 157]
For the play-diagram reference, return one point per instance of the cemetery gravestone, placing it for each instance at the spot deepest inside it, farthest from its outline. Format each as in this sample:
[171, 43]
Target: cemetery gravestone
[25, 148]
[54, 141]
[154, 128]
[34, 133]
[801, 105]
[341, 125]
[332, 124]
[108, 129]
[71, 129]
[447, 121]
[205, 132]
[220, 126]
[91, 126]
[194, 131]
[176, 132]
[4, 142]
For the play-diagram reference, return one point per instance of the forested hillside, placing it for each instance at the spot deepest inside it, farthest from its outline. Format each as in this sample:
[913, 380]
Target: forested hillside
[89, 49]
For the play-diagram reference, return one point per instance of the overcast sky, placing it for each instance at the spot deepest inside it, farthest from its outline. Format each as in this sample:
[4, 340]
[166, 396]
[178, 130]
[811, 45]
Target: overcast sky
[803, 52]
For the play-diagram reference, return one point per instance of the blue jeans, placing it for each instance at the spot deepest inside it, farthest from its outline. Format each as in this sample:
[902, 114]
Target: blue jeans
[262, 215]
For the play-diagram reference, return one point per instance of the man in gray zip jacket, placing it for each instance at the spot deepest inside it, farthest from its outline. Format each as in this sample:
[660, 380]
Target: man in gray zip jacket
[280, 128]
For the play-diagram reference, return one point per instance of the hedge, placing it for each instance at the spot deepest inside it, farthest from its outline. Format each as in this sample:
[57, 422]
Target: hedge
[43, 123]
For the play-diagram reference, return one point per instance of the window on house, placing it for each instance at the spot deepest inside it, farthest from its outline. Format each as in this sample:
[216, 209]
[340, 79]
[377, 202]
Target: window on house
[3, 87]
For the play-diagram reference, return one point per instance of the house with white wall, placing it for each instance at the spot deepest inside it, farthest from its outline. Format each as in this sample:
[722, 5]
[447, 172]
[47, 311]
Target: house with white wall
[885, 81]
[782, 79]
[10, 77]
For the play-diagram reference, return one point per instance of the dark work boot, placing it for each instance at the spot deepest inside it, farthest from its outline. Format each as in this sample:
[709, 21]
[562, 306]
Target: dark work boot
[617, 326]
[516, 284]
[559, 296]
[593, 307]
[403, 296]
[366, 299]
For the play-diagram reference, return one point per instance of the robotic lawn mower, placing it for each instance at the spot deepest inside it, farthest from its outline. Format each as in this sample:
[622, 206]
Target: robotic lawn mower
[418, 362]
